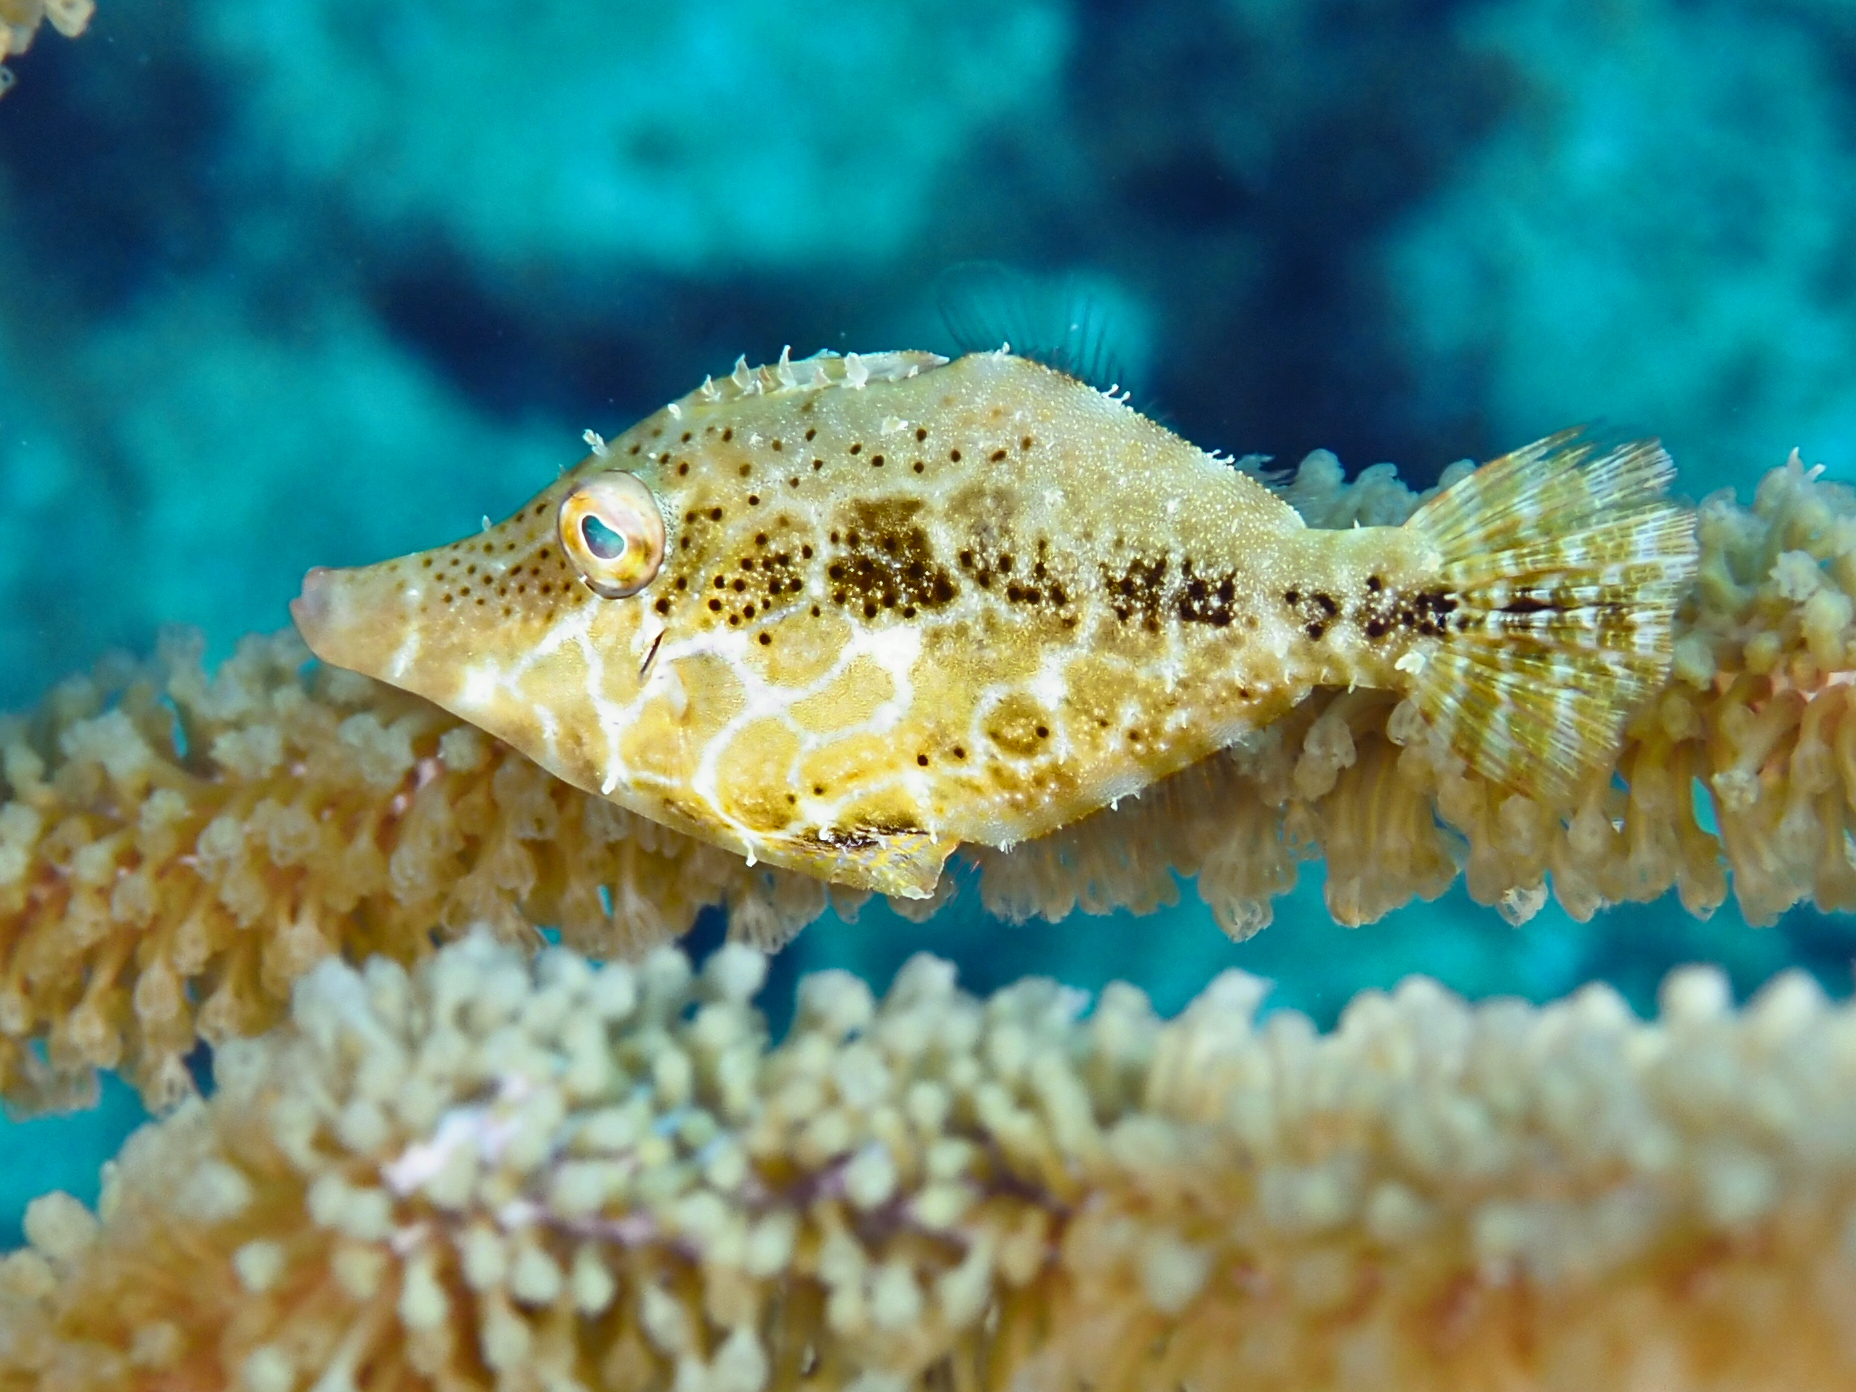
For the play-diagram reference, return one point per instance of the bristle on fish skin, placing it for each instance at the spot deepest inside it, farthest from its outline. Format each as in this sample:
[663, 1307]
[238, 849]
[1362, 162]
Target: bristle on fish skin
[1562, 573]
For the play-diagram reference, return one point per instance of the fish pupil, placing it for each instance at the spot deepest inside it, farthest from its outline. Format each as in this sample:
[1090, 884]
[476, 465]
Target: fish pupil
[600, 539]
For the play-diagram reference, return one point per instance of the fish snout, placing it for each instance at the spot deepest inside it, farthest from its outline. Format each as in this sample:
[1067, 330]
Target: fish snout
[309, 611]
[350, 617]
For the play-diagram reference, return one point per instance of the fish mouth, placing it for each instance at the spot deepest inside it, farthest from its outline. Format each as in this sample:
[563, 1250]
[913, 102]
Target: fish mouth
[309, 611]
[336, 619]
[321, 614]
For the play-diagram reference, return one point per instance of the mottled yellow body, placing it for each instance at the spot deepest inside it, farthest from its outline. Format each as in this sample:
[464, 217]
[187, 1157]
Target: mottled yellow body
[903, 604]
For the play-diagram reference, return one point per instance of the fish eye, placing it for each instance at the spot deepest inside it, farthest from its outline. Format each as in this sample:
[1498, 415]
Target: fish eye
[613, 533]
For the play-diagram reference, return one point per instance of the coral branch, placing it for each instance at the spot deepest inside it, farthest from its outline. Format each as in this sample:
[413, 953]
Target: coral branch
[526, 1174]
[177, 850]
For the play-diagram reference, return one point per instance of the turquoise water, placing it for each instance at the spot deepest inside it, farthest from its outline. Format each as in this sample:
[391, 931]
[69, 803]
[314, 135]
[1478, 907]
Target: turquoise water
[295, 282]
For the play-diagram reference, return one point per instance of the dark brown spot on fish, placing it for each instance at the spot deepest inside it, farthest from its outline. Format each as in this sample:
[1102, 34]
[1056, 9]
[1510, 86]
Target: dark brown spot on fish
[778, 446]
[922, 760]
[876, 461]
[811, 432]
[857, 447]
[997, 455]
[715, 514]
[1138, 589]
[715, 606]
[753, 500]
[766, 640]
[729, 433]
[662, 606]
[1329, 607]
[954, 455]
[1291, 596]
[1315, 631]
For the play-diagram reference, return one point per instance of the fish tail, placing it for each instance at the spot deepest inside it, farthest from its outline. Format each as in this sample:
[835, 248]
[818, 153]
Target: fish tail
[1561, 566]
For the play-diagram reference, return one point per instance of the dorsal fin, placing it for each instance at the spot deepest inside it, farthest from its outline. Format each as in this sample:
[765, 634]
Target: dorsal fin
[1087, 330]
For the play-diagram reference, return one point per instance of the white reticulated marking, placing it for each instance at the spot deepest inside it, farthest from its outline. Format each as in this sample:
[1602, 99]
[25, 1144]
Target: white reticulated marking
[401, 661]
[572, 631]
[478, 689]
[894, 650]
[1050, 685]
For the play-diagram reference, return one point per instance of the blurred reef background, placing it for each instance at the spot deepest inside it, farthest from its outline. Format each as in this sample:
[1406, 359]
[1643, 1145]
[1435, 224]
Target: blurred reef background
[295, 282]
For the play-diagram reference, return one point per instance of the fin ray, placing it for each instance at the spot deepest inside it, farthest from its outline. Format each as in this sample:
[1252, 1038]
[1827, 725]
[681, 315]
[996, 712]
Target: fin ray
[1051, 320]
[1563, 568]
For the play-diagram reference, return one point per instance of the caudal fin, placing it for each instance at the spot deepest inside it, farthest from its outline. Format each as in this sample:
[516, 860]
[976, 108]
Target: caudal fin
[1564, 567]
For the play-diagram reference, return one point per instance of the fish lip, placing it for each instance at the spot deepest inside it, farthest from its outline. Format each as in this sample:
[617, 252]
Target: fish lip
[309, 611]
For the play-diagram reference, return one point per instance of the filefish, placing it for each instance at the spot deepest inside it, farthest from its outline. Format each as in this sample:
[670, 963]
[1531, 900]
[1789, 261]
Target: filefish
[844, 614]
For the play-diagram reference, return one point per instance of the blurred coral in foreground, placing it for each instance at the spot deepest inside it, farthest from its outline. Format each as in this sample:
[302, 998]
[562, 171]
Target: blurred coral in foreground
[515, 1173]
[19, 21]
[177, 851]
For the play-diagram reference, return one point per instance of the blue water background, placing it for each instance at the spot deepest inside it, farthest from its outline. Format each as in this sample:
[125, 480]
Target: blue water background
[295, 282]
